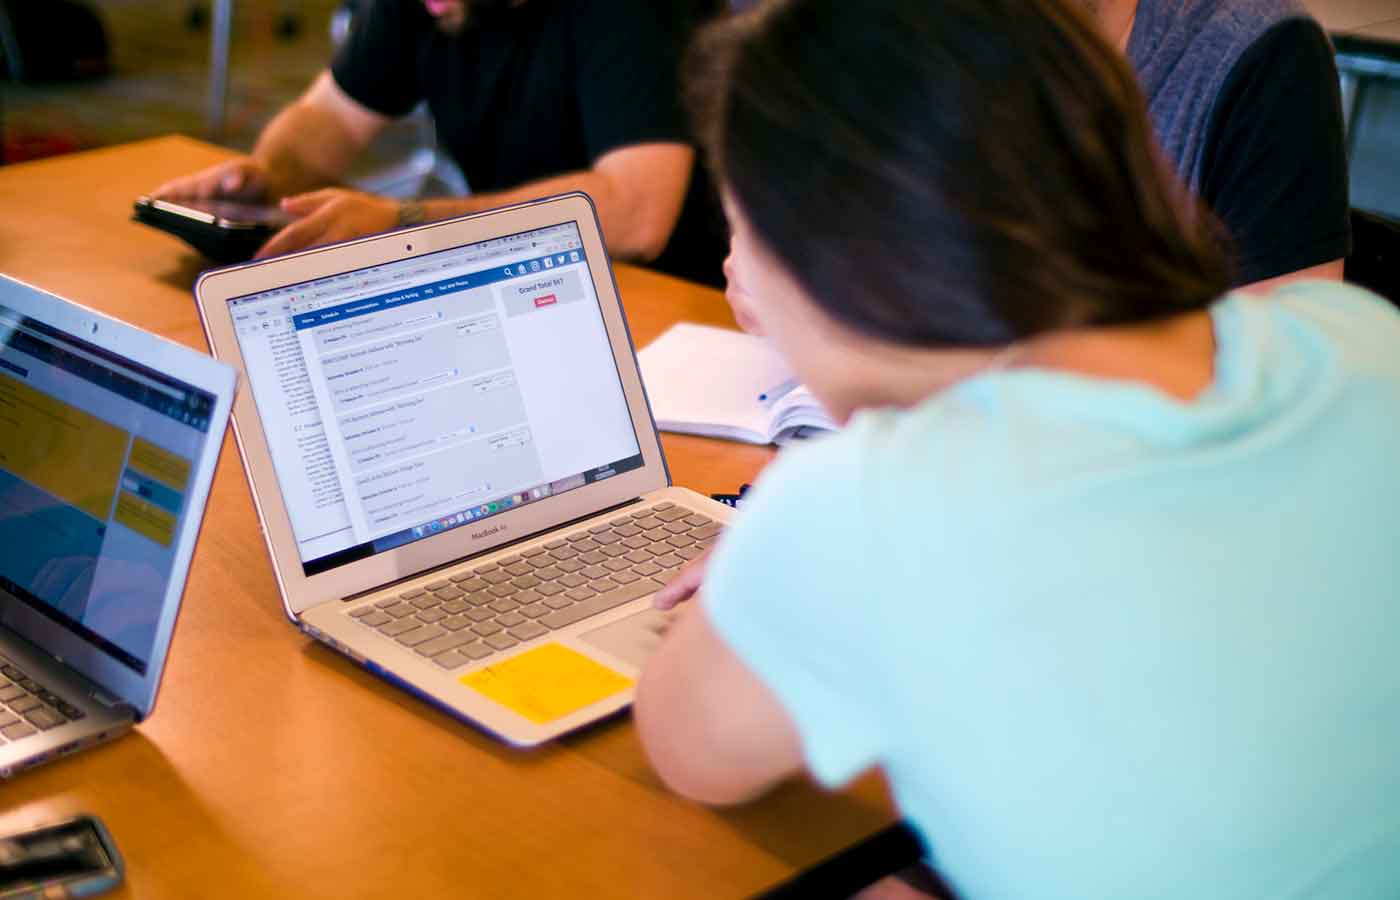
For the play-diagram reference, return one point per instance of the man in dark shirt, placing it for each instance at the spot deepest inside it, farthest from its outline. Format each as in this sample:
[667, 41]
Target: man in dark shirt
[530, 97]
[1246, 103]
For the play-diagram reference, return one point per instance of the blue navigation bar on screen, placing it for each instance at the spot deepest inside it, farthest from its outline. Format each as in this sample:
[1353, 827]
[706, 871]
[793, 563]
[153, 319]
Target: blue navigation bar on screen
[368, 305]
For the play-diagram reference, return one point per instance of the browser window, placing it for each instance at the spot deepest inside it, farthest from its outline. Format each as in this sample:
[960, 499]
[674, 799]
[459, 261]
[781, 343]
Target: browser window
[96, 458]
[410, 398]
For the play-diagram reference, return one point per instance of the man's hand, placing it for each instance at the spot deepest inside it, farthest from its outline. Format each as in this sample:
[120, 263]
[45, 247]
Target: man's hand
[330, 215]
[309, 144]
[739, 300]
[242, 179]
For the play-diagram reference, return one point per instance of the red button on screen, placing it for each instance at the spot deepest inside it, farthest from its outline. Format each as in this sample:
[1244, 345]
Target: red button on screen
[546, 300]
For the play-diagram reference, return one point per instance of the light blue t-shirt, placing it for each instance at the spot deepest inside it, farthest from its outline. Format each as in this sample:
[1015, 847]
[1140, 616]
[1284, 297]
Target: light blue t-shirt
[1107, 644]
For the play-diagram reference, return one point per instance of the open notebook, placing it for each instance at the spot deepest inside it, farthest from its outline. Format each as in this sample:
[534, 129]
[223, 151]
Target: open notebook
[704, 380]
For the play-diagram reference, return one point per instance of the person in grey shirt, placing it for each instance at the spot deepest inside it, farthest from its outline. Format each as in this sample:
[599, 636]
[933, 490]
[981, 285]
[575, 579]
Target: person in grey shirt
[1246, 104]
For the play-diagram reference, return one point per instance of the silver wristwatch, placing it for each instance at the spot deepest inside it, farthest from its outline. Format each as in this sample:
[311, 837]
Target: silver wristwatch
[411, 212]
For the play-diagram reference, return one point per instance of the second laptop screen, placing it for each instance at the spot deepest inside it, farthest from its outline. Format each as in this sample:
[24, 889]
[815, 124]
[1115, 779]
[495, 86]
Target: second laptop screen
[418, 396]
[97, 459]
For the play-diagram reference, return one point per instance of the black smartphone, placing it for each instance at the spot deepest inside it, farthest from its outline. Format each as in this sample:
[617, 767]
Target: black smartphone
[76, 858]
[226, 231]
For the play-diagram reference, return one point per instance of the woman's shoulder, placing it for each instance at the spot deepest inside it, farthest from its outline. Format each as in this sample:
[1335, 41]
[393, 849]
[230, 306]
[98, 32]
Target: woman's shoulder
[1360, 324]
[935, 460]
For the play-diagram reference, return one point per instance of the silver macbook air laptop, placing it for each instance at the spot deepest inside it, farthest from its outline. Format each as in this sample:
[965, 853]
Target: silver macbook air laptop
[108, 441]
[454, 463]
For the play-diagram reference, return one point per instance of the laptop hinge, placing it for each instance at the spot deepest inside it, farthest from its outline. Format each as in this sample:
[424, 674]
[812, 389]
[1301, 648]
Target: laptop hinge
[107, 699]
[86, 684]
[462, 559]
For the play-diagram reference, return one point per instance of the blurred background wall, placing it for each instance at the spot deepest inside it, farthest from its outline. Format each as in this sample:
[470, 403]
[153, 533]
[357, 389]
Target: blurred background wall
[159, 54]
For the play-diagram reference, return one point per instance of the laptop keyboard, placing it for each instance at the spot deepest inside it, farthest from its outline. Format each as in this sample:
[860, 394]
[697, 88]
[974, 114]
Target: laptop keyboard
[27, 707]
[466, 616]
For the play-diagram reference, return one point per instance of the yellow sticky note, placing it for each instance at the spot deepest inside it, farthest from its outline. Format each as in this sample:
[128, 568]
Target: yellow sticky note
[161, 464]
[75, 456]
[145, 518]
[546, 683]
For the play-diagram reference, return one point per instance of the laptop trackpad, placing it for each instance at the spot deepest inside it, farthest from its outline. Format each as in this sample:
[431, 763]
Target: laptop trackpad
[634, 638]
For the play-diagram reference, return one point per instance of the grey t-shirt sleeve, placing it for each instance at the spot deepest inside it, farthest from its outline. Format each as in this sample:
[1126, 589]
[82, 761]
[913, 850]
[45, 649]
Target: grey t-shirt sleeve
[1274, 168]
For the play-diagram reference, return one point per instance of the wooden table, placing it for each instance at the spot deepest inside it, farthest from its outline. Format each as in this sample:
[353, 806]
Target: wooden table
[273, 767]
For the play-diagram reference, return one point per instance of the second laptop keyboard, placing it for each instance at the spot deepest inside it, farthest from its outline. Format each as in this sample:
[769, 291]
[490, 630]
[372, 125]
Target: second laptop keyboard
[466, 616]
[27, 707]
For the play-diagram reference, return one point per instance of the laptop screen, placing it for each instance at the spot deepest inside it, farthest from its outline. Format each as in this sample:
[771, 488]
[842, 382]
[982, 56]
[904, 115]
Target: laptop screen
[410, 398]
[96, 458]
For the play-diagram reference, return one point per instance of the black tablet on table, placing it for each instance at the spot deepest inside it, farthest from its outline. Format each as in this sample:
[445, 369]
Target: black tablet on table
[226, 231]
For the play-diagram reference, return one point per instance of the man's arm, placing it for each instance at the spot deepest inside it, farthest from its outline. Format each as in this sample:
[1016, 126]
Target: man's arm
[639, 161]
[712, 730]
[314, 141]
[1274, 168]
[310, 143]
[638, 190]
[1332, 270]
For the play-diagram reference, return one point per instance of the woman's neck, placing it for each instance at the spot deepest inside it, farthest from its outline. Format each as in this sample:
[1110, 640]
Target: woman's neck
[1175, 356]
[1115, 19]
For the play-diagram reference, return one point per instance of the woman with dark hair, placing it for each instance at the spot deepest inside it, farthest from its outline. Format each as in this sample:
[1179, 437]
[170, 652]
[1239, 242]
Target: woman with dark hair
[1102, 569]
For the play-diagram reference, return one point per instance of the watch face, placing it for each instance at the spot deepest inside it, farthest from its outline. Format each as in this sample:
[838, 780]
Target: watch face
[411, 213]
